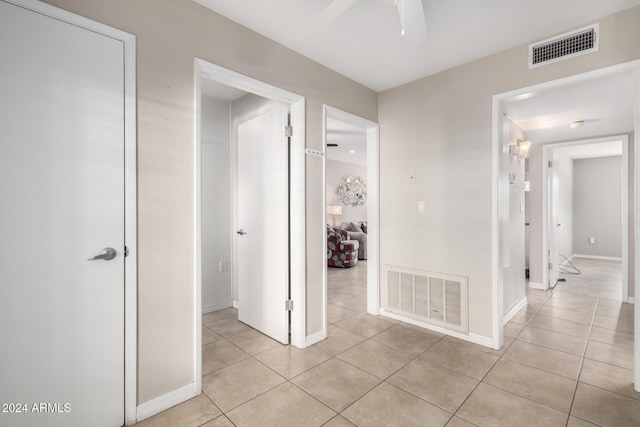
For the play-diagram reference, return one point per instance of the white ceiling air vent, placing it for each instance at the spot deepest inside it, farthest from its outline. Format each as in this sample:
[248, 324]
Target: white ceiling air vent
[565, 46]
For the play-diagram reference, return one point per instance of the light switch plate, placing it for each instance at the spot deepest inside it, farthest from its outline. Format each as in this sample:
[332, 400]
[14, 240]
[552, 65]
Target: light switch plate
[421, 206]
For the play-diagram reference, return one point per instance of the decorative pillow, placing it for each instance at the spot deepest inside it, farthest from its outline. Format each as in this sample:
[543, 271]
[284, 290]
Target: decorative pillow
[329, 229]
[354, 226]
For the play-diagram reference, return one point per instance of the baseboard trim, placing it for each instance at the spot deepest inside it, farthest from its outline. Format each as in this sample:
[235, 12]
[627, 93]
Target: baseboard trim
[604, 258]
[234, 304]
[539, 286]
[315, 338]
[166, 401]
[511, 313]
[471, 337]
[209, 308]
[631, 300]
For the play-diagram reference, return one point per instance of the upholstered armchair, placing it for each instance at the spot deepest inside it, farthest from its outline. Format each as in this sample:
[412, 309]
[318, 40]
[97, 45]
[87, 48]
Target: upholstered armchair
[341, 252]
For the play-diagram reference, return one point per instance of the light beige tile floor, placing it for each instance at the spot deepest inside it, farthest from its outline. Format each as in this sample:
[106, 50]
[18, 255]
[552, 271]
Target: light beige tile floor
[567, 361]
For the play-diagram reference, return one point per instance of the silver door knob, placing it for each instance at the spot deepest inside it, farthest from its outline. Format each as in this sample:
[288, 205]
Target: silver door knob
[107, 254]
[241, 232]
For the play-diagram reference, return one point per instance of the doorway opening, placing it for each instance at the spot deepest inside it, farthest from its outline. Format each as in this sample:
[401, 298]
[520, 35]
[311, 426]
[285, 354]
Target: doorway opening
[587, 205]
[226, 101]
[502, 178]
[351, 202]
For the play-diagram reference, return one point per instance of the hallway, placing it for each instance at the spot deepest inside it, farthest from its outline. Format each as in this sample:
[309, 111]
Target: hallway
[567, 361]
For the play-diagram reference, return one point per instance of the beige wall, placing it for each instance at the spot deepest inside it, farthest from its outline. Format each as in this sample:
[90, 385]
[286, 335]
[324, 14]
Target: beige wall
[597, 201]
[216, 204]
[170, 33]
[336, 172]
[440, 126]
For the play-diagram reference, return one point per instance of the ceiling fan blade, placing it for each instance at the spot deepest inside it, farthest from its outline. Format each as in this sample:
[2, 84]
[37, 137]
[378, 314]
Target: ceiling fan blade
[327, 16]
[414, 27]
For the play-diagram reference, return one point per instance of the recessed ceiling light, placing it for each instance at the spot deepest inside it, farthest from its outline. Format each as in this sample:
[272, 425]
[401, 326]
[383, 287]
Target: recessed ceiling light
[577, 124]
[352, 151]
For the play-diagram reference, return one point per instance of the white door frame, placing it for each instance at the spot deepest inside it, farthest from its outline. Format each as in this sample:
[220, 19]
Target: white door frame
[207, 70]
[373, 208]
[550, 207]
[130, 191]
[547, 155]
[498, 102]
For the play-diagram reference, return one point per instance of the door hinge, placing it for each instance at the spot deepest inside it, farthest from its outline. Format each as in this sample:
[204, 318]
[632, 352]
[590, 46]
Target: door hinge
[288, 305]
[550, 266]
[550, 164]
[288, 131]
[126, 251]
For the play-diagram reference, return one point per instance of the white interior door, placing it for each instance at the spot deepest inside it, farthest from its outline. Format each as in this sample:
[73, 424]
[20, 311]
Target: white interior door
[62, 201]
[263, 221]
[553, 223]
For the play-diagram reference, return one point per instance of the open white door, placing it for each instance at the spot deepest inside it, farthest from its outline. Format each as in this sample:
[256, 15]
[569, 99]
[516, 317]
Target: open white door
[553, 223]
[62, 190]
[263, 221]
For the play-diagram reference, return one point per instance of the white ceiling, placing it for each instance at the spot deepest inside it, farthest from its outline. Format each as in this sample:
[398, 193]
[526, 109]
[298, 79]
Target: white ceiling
[220, 91]
[351, 140]
[383, 60]
[590, 151]
[364, 43]
[606, 104]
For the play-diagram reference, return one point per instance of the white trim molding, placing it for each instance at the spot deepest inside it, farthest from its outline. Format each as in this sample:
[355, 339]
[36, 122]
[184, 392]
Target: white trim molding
[603, 258]
[315, 338]
[470, 337]
[511, 314]
[210, 308]
[535, 285]
[161, 403]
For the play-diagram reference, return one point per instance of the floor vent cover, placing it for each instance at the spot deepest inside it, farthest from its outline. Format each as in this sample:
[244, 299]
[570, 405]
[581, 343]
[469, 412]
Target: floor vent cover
[434, 298]
[569, 45]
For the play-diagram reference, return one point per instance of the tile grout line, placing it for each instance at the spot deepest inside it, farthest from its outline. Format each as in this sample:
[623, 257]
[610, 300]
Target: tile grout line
[455, 414]
[440, 339]
[385, 379]
[575, 392]
[496, 362]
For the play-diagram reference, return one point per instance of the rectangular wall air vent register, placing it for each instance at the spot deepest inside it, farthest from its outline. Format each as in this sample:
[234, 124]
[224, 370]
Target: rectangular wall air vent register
[434, 298]
[569, 45]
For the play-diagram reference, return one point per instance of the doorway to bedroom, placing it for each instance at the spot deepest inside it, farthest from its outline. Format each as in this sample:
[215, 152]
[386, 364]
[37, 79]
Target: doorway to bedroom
[249, 142]
[351, 203]
[346, 201]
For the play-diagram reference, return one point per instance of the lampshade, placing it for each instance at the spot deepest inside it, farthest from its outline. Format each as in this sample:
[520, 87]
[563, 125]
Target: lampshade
[523, 148]
[334, 210]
